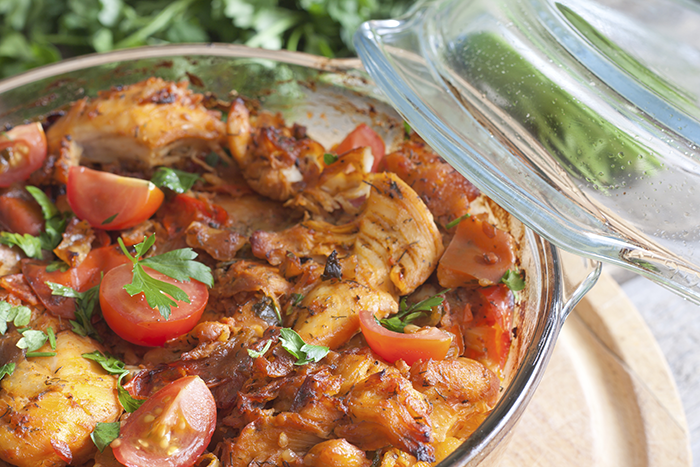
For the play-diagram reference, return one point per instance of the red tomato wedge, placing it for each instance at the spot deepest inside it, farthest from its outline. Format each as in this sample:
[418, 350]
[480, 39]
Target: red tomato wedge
[19, 213]
[479, 252]
[81, 278]
[360, 137]
[488, 336]
[171, 429]
[392, 346]
[22, 151]
[134, 321]
[109, 201]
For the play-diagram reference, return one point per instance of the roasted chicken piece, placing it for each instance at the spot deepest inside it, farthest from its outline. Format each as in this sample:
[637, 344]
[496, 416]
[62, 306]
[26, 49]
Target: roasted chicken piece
[150, 123]
[277, 161]
[336, 453]
[394, 242]
[386, 410]
[341, 187]
[329, 313]
[444, 190]
[50, 405]
[457, 389]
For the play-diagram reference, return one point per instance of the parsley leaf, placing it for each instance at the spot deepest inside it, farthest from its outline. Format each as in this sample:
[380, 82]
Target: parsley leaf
[455, 222]
[329, 158]
[176, 264]
[176, 180]
[29, 244]
[303, 352]
[104, 434]
[57, 266]
[6, 369]
[110, 364]
[32, 340]
[408, 314]
[55, 223]
[514, 280]
[114, 366]
[260, 353]
[48, 209]
[85, 303]
[19, 316]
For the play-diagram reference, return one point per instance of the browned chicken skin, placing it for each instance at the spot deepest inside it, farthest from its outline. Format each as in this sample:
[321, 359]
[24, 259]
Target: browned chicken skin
[151, 123]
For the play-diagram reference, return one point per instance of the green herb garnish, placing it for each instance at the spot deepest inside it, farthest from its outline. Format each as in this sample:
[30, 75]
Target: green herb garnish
[408, 314]
[176, 180]
[114, 366]
[260, 353]
[7, 369]
[104, 434]
[455, 222]
[514, 280]
[176, 264]
[85, 303]
[29, 244]
[305, 353]
[329, 158]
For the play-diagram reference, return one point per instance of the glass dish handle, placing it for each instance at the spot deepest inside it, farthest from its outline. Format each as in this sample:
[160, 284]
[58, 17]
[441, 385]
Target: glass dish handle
[578, 276]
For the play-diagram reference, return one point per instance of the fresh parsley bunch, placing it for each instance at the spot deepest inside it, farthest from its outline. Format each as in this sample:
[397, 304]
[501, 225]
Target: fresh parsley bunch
[37, 32]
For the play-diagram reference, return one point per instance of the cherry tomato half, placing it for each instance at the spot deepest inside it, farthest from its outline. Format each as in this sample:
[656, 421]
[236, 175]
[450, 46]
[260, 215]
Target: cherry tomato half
[109, 201]
[392, 346]
[478, 252]
[22, 151]
[360, 137]
[80, 278]
[171, 429]
[133, 320]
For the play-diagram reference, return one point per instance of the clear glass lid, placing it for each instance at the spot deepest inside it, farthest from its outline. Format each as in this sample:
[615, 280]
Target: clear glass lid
[580, 117]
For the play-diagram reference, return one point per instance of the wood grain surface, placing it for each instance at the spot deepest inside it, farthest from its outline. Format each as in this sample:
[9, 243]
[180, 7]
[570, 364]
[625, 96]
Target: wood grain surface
[608, 397]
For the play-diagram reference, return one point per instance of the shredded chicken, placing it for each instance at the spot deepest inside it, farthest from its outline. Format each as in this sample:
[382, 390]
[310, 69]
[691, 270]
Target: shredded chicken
[277, 161]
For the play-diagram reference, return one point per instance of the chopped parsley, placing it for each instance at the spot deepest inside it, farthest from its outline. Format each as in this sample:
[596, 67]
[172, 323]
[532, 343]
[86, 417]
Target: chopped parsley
[455, 222]
[304, 353]
[329, 158]
[176, 180]
[104, 434]
[260, 353]
[514, 280]
[85, 303]
[407, 314]
[114, 366]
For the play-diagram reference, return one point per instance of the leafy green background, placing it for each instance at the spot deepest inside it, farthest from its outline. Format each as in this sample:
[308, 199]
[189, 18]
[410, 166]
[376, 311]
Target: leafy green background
[37, 32]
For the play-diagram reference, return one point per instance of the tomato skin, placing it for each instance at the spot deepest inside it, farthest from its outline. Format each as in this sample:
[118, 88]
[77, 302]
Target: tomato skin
[80, 278]
[392, 346]
[96, 196]
[488, 336]
[182, 210]
[19, 212]
[363, 136]
[479, 252]
[171, 429]
[22, 151]
[134, 321]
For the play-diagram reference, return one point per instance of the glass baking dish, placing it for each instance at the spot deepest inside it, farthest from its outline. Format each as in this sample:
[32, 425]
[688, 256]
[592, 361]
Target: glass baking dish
[330, 97]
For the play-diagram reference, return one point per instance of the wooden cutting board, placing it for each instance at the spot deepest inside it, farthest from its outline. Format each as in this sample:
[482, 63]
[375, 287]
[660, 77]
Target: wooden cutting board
[607, 397]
